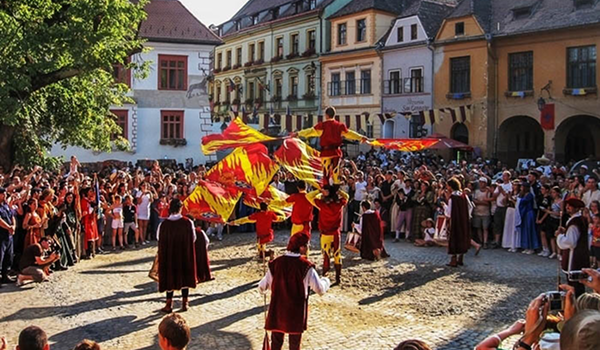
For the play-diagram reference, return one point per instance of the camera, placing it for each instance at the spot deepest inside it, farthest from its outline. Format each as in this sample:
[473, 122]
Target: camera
[577, 275]
[556, 300]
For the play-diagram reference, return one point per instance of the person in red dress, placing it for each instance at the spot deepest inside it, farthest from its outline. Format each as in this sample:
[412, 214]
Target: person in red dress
[458, 210]
[302, 210]
[264, 220]
[288, 278]
[89, 219]
[331, 133]
[330, 202]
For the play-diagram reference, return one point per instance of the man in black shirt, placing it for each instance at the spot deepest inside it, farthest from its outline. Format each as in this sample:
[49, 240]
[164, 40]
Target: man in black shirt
[33, 265]
[387, 198]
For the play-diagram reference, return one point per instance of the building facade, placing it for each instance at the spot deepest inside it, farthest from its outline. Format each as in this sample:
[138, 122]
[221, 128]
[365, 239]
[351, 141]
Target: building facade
[171, 112]
[268, 62]
[531, 81]
[352, 70]
[407, 54]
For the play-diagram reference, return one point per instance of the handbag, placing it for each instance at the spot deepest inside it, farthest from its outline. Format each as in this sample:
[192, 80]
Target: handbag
[153, 274]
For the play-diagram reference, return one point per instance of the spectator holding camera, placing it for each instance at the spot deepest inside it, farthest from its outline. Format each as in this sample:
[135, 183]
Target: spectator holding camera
[34, 266]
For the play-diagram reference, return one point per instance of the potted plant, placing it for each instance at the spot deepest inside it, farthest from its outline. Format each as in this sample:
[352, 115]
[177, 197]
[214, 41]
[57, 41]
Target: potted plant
[309, 52]
[237, 65]
[276, 98]
[248, 64]
[276, 59]
[259, 62]
[292, 97]
[249, 101]
[291, 55]
[217, 70]
[226, 68]
[309, 95]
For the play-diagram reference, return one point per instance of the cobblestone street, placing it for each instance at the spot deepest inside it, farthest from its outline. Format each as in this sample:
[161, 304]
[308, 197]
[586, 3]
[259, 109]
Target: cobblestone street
[410, 295]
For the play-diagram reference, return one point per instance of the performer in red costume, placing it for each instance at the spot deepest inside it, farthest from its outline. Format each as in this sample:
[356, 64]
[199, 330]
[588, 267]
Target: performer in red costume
[331, 133]
[330, 202]
[302, 211]
[289, 277]
[203, 273]
[459, 233]
[370, 227]
[264, 220]
[90, 224]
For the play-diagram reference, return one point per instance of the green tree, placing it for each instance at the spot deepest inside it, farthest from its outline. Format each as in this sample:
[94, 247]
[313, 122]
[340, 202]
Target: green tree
[56, 85]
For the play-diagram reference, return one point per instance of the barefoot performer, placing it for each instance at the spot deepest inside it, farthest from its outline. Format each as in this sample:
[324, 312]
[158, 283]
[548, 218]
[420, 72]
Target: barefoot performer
[331, 133]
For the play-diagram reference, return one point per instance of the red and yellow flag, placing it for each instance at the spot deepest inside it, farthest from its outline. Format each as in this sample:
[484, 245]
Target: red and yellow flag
[248, 169]
[274, 198]
[301, 160]
[237, 134]
[211, 202]
[404, 145]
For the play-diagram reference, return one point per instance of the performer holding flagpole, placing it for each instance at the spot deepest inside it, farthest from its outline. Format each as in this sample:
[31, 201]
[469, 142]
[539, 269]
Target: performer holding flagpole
[331, 133]
[288, 278]
[302, 210]
[264, 228]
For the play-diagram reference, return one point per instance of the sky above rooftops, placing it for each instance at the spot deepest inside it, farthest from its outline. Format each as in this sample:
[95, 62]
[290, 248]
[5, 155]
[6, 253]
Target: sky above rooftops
[213, 11]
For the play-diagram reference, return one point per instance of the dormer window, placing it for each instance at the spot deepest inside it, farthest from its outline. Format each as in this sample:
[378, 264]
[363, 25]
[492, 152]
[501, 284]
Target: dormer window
[238, 25]
[579, 4]
[459, 28]
[312, 4]
[275, 12]
[255, 20]
[521, 12]
[298, 6]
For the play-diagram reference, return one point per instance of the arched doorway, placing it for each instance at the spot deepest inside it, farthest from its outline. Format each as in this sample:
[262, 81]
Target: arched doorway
[388, 129]
[577, 138]
[520, 137]
[460, 133]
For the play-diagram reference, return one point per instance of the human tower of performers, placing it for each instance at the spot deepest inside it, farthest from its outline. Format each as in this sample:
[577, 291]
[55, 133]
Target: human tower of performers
[290, 276]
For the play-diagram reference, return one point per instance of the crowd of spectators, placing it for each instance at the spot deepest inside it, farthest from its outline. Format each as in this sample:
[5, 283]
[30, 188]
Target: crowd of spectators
[51, 220]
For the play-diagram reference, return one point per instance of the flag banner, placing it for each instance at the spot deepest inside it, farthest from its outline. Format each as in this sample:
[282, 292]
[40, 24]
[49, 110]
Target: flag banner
[547, 117]
[274, 198]
[404, 145]
[301, 160]
[211, 202]
[237, 134]
[248, 169]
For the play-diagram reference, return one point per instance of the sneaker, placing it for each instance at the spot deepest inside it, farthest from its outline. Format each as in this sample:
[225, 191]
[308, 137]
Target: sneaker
[19, 281]
[559, 257]
[546, 254]
[541, 253]
[552, 256]
[530, 251]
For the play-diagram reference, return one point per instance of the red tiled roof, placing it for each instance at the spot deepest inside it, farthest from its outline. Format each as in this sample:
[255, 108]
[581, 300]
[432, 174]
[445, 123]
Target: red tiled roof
[170, 21]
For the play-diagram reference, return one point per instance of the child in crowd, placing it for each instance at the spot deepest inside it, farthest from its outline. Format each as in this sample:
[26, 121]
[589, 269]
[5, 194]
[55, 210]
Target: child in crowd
[428, 234]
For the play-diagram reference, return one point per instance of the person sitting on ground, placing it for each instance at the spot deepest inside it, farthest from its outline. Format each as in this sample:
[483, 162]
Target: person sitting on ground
[34, 266]
[173, 333]
[428, 235]
[412, 344]
[87, 344]
[33, 338]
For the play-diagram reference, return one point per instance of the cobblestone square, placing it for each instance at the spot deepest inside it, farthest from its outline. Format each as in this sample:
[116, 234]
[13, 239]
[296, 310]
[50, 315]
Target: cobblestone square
[412, 294]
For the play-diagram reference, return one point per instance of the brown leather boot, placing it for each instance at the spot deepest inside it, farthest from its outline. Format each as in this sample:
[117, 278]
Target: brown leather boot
[184, 305]
[168, 307]
[459, 262]
[338, 273]
[452, 262]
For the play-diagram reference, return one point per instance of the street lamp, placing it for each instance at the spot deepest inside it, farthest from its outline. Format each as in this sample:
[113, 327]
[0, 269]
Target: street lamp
[541, 102]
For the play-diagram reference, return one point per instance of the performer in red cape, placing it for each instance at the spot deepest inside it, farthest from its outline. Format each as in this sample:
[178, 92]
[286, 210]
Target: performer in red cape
[370, 227]
[331, 133]
[176, 256]
[203, 273]
[302, 211]
[330, 202]
[264, 220]
[458, 211]
[289, 277]
[90, 224]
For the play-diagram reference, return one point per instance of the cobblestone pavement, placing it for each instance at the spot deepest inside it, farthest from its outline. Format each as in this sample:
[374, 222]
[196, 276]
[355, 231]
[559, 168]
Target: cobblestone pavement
[410, 295]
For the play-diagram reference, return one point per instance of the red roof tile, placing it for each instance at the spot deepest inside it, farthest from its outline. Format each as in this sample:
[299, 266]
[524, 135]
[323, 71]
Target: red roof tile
[170, 21]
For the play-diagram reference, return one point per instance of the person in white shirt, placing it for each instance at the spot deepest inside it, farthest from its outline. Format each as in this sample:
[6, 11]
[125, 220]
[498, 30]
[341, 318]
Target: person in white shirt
[144, 199]
[573, 240]
[500, 196]
[591, 192]
[278, 184]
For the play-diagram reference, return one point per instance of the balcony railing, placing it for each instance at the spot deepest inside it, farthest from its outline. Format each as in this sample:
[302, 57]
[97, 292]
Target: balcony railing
[349, 87]
[403, 86]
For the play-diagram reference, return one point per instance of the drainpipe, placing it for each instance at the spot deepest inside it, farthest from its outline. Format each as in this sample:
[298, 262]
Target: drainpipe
[319, 68]
[496, 119]
[432, 49]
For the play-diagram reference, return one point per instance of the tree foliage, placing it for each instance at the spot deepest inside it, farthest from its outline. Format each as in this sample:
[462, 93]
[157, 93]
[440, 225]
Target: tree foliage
[56, 84]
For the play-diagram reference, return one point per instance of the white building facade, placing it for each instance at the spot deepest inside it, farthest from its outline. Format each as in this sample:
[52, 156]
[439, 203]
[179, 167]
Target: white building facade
[171, 110]
[408, 69]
